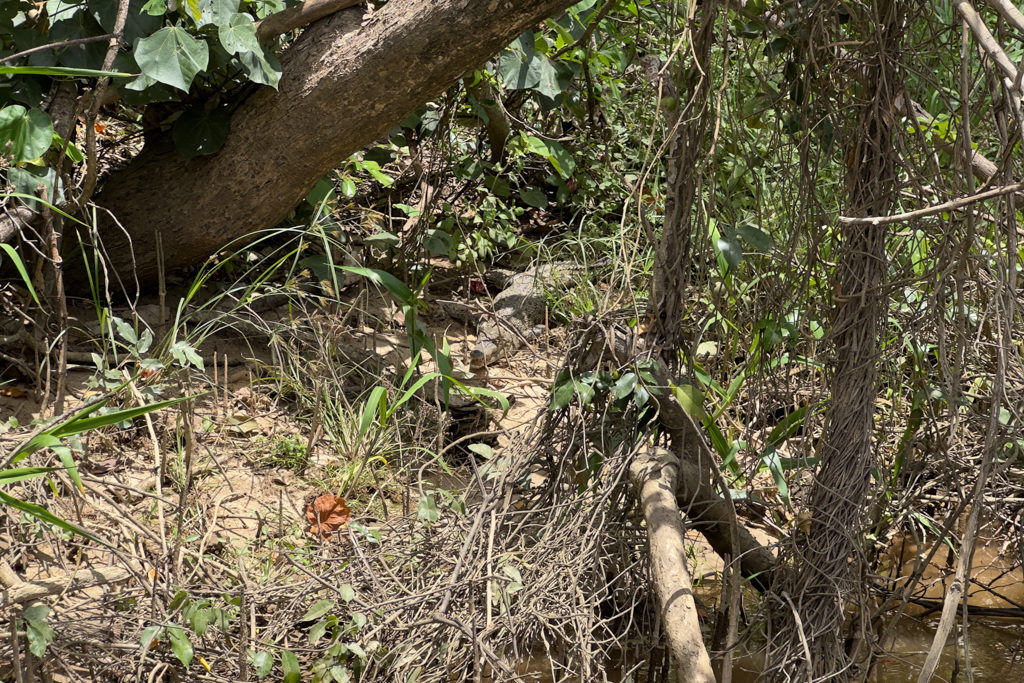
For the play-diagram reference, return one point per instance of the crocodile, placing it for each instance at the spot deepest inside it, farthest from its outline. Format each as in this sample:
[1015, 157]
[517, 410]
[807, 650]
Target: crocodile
[520, 309]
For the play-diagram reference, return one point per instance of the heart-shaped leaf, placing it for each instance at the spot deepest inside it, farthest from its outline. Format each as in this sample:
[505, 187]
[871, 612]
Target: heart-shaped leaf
[172, 56]
[217, 12]
[24, 133]
[239, 35]
[261, 68]
[198, 132]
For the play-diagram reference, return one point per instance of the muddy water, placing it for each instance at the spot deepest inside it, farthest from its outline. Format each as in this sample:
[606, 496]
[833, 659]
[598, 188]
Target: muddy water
[996, 653]
[995, 646]
[996, 656]
[997, 580]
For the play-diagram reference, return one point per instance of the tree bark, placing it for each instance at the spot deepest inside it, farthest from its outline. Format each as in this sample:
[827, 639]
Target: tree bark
[297, 16]
[691, 131]
[654, 474]
[810, 644]
[346, 81]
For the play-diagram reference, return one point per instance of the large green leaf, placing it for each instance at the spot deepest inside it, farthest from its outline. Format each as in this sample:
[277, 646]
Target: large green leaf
[551, 81]
[156, 8]
[84, 56]
[88, 423]
[519, 65]
[137, 24]
[730, 249]
[172, 56]
[39, 633]
[192, 10]
[290, 667]
[396, 287]
[559, 157]
[16, 474]
[239, 35]
[81, 422]
[27, 179]
[60, 10]
[755, 237]
[261, 68]
[262, 663]
[181, 646]
[24, 133]
[532, 196]
[198, 132]
[220, 13]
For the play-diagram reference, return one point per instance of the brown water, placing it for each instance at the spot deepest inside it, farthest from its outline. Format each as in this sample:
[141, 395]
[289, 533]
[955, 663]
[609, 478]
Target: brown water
[996, 646]
[996, 649]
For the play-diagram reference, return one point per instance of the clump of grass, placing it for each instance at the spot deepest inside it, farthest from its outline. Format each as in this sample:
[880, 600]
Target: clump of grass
[288, 452]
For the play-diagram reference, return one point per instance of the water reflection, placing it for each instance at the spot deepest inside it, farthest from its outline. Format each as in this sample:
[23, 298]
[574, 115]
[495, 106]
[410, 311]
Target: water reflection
[996, 653]
[996, 656]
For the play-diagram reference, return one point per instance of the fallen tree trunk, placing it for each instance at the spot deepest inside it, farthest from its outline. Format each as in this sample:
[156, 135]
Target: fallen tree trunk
[711, 515]
[654, 475]
[346, 81]
[708, 512]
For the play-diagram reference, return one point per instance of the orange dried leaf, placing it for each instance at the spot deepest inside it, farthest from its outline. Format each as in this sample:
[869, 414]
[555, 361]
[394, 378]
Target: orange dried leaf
[326, 514]
[646, 323]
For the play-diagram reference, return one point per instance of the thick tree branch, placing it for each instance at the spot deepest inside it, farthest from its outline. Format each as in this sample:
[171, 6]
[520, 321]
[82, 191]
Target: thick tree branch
[21, 592]
[654, 475]
[711, 515]
[346, 82]
[987, 40]
[1008, 11]
[13, 220]
[300, 15]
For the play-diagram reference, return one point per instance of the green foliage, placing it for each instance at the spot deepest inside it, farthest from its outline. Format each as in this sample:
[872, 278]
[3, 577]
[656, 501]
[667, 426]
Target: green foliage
[335, 633]
[196, 619]
[24, 134]
[605, 390]
[54, 437]
[197, 51]
[19, 265]
[38, 632]
[286, 451]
